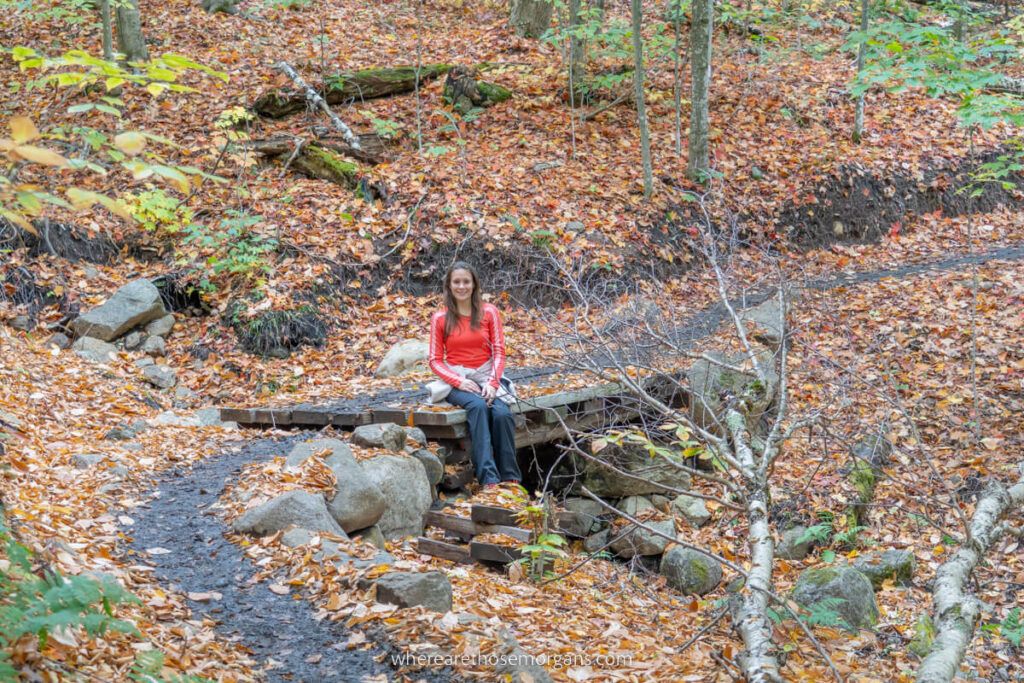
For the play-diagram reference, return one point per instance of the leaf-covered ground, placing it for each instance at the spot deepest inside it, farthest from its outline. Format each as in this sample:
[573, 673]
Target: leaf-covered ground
[868, 355]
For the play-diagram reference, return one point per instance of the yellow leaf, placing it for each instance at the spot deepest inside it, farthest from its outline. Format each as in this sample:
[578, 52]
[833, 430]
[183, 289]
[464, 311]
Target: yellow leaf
[40, 155]
[130, 143]
[155, 89]
[23, 130]
[990, 443]
[19, 220]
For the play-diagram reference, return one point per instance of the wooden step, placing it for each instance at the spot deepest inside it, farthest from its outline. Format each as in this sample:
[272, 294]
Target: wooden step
[445, 551]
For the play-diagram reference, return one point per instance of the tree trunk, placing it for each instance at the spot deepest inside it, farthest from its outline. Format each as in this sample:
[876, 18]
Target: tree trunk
[107, 30]
[130, 41]
[701, 27]
[530, 18]
[357, 85]
[577, 55]
[638, 85]
[858, 117]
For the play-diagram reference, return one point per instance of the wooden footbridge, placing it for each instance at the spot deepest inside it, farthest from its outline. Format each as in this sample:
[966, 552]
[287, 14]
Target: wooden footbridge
[542, 415]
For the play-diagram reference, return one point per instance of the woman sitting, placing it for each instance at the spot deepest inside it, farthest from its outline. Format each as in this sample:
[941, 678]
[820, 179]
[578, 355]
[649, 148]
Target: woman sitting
[467, 351]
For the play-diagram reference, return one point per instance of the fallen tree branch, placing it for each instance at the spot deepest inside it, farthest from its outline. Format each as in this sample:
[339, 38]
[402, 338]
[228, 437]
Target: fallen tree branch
[956, 611]
[313, 97]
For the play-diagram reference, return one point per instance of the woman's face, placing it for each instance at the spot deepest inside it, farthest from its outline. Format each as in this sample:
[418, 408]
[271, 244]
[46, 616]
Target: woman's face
[462, 285]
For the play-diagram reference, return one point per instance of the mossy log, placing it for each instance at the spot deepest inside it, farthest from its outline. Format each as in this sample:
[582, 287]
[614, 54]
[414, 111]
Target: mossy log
[366, 84]
[464, 92]
[312, 159]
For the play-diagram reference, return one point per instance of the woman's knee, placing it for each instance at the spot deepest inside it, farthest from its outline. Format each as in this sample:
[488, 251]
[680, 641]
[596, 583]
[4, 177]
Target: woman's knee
[501, 411]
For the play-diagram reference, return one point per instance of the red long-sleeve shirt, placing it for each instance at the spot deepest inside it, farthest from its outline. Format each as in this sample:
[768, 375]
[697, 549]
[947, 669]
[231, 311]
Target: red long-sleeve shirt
[468, 347]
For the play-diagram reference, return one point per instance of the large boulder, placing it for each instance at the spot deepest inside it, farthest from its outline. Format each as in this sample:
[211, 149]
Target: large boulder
[636, 541]
[294, 508]
[648, 475]
[403, 481]
[689, 571]
[431, 463]
[95, 350]
[387, 435]
[405, 356]
[769, 322]
[135, 304]
[897, 565]
[432, 590]
[694, 510]
[791, 547]
[842, 590]
[301, 452]
[711, 385]
[357, 502]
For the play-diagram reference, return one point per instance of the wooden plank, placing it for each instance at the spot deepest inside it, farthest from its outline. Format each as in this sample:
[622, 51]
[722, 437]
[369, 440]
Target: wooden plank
[492, 552]
[308, 414]
[278, 417]
[458, 478]
[455, 431]
[242, 416]
[438, 417]
[445, 551]
[400, 416]
[351, 418]
[462, 527]
[526, 404]
[491, 514]
[549, 416]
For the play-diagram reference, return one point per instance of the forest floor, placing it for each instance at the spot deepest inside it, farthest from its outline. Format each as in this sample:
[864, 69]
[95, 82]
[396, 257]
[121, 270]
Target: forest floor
[866, 356]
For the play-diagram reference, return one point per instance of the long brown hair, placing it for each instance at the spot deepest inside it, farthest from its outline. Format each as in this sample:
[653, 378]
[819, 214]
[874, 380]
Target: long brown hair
[451, 319]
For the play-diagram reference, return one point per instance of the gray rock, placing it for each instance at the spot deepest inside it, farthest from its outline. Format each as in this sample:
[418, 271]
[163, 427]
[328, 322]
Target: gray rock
[184, 394]
[636, 541]
[415, 436]
[898, 565]
[373, 536]
[404, 357]
[634, 505]
[119, 472]
[84, 461]
[144, 362]
[160, 376]
[843, 590]
[710, 383]
[387, 435]
[301, 452]
[10, 419]
[60, 340]
[154, 346]
[293, 538]
[661, 503]
[431, 463]
[432, 590]
[294, 508]
[132, 447]
[357, 502]
[633, 459]
[769, 320]
[134, 304]
[209, 417]
[584, 505]
[875, 450]
[380, 558]
[133, 340]
[575, 226]
[90, 273]
[789, 547]
[161, 327]
[119, 434]
[596, 542]
[694, 510]
[690, 572]
[516, 665]
[169, 418]
[22, 323]
[95, 350]
[578, 524]
[403, 481]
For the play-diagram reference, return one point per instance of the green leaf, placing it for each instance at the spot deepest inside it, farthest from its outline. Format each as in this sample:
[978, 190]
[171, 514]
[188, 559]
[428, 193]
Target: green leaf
[828, 556]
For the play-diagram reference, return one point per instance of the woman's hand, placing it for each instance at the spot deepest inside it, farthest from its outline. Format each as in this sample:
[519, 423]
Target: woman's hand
[489, 392]
[470, 386]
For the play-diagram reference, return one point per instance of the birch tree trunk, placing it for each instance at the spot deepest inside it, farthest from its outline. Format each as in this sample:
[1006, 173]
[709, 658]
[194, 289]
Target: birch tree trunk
[130, 41]
[638, 85]
[530, 18]
[858, 117]
[701, 27]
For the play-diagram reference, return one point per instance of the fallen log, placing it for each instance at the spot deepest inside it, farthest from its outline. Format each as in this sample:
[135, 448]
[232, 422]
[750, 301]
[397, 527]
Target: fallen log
[956, 611]
[464, 92]
[311, 159]
[366, 84]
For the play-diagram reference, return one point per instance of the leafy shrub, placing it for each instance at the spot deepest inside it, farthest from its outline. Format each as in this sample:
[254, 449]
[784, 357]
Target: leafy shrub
[233, 248]
[159, 212]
